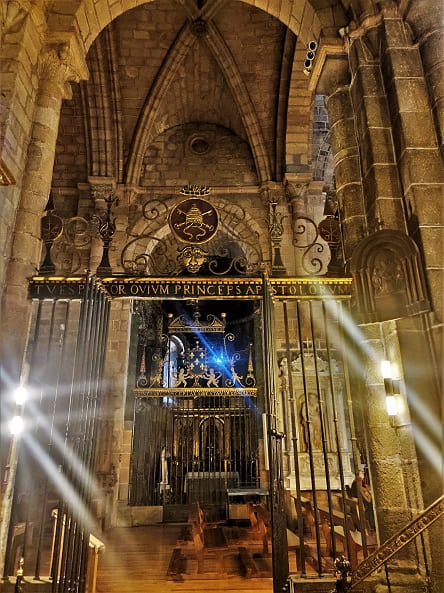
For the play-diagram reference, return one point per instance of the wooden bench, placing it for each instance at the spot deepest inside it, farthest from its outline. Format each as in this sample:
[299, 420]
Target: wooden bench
[196, 515]
[178, 563]
[248, 565]
[350, 535]
[263, 525]
[294, 545]
[336, 517]
[209, 544]
[252, 515]
[308, 518]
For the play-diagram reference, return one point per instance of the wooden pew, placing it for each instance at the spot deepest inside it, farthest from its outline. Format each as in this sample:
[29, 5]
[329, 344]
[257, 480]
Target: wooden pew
[264, 525]
[350, 535]
[178, 563]
[252, 515]
[294, 545]
[209, 543]
[307, 514]
[247, 562]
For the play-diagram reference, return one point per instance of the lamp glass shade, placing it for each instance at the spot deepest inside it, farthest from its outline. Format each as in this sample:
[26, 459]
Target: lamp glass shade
[386, 369]
[390, 402]
[20, 395]
[16, 425]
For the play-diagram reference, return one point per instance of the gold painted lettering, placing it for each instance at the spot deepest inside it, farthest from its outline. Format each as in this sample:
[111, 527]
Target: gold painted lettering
[121, 289]
[213, 291]
[164, 289]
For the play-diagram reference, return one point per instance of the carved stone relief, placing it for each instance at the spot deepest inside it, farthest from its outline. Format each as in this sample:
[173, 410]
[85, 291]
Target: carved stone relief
[389, 280]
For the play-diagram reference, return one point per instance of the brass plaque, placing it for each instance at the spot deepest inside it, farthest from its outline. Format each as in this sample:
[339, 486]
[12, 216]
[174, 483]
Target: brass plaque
[194, 221]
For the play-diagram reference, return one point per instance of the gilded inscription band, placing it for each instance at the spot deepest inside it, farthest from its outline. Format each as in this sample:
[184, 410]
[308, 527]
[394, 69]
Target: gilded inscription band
[58, 287]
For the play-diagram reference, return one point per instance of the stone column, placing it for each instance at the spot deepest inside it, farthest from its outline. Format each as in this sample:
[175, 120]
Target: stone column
[345, 150]
[381, 184]
[58, 65]
[419, 160]
[390, 449]
[114, 454]
[426, 19]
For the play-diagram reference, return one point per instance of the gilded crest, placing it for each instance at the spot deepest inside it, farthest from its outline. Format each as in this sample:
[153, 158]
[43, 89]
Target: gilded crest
[194, 221]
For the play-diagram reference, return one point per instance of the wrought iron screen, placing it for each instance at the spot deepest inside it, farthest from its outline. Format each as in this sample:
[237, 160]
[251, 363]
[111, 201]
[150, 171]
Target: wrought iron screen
[196, 419]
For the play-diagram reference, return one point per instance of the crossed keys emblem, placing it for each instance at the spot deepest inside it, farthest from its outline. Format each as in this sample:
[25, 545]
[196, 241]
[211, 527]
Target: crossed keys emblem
[194, 220]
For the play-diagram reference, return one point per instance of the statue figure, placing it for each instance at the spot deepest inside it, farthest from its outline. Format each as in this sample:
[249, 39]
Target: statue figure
[181, 378]
[314, 416]
[212, 379]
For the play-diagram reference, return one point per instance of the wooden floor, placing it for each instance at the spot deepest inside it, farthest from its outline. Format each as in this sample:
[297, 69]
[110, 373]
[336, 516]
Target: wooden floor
[138, 559]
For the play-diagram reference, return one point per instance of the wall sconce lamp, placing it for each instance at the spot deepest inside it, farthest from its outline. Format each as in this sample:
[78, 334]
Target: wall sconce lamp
[391, 389]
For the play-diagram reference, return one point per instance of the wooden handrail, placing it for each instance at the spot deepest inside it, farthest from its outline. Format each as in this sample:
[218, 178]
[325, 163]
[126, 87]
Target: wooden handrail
[398, 541]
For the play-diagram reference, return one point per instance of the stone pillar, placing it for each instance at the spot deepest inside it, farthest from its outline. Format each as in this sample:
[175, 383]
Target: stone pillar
[390, 449]
[380, 179]
[114, 454]
[57, 66]
[345, 150]
[419, 160]
[21, 24]
[426, 19]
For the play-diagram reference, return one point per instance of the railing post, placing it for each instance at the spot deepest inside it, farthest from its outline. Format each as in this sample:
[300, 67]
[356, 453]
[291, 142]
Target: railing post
[342, 570]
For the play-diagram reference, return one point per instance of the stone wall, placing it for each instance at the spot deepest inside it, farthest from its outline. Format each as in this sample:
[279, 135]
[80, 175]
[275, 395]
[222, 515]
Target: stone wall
[198, 153]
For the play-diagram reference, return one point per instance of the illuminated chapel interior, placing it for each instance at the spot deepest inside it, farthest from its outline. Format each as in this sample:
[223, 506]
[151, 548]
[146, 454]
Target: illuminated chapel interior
[221, 284]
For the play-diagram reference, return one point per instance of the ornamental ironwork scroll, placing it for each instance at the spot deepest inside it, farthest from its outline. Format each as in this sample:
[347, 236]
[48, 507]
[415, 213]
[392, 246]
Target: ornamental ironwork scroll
[232, 250]
[51, 227]
[306, 236]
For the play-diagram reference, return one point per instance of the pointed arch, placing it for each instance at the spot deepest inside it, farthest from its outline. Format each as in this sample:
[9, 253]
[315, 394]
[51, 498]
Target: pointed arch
[148, 116]
[228, 66]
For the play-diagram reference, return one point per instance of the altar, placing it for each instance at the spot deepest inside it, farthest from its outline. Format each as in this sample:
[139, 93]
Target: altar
[208, 487]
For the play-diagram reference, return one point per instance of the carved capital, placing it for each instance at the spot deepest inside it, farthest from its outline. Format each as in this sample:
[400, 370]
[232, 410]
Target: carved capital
[296, 194]
[101, 188]
[271, 192]
[61, 63]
